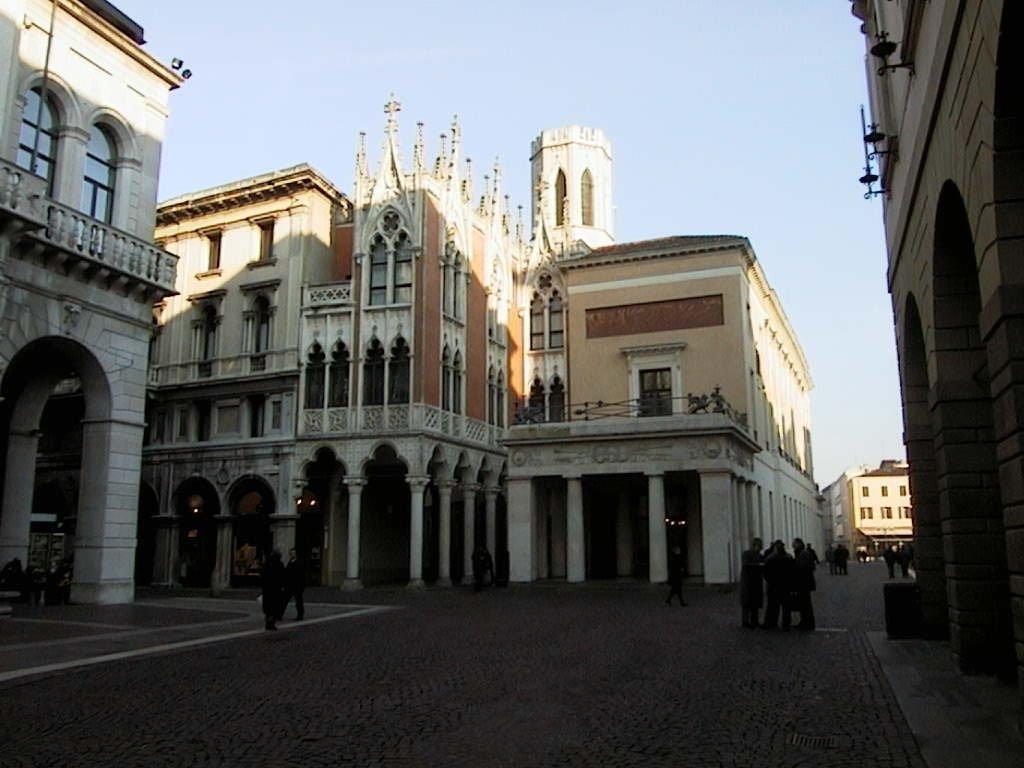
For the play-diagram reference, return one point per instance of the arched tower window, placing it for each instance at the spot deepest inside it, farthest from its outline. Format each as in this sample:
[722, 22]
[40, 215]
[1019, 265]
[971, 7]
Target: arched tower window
[556, 400]
[398, 373]
[537, 322]
[446, 379]
[536, 401]
[373, 374]
[560, 199]
[457, 383]
[315, 376]
[38, 135]
[556, 328]
[338, 396]
[587, 198]
[98, 182]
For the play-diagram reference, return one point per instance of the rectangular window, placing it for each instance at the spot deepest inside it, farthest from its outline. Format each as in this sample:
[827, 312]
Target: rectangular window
[203, 420]
[887, 513]
[212, 251]
[885, 490]
[866, 513]
[903, 490]
[275, 414]
[256, 404]
[403, 277]
[556, 335]
[158, 427]
[537, 324]
[864, 491]
[266, 240]
[656, 392]
[183, 423]
[378, 275]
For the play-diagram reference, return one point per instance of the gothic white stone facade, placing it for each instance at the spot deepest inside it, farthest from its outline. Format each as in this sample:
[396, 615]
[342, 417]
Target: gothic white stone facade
[82, 111]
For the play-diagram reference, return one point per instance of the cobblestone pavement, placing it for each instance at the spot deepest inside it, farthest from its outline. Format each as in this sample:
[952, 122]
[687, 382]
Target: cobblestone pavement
[545, 675]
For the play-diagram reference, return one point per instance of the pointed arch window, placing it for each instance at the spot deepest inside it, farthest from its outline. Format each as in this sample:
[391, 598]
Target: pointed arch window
[560, 194]
[457, 383]
[587, 198]
[398, 373]
[537, 322]
[38, 135]
[98, 182]
[373, 374]
[315, 376]
[492, 397]
[556, 400]
[338, 394]
[446, 379]
[556, 318]
[537, 400]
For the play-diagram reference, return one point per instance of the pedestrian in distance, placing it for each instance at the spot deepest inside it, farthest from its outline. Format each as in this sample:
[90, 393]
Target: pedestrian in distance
[841, 557]
[830, 558]
[751, 584]
[777, 567]
[903, 558]
[890, 561]
[675, 575]
[801, 586]
[272, 580]
[814, 555]
[483, 568]
[294, 585]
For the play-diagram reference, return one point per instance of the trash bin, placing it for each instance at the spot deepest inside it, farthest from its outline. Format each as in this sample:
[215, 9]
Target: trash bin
[902, 609]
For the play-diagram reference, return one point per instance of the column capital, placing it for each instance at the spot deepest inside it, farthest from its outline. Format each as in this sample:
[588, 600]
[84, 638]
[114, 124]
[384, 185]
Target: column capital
[445, 485]
[417, 481]
[655, 473]
[492, 490]
[569, 478]
[355, 483]
[471, 487]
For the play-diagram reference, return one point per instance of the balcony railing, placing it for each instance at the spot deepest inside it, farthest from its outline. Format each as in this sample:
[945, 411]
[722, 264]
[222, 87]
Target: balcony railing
[327, 295]
[375, 419]
[75, 234]
[534, 411]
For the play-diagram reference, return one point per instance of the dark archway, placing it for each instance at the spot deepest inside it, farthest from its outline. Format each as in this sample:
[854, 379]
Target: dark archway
[145, 535]
[319, 516]
[197, 506]
[251, 502]
[384, 523]
[929, 561]
[966, 469]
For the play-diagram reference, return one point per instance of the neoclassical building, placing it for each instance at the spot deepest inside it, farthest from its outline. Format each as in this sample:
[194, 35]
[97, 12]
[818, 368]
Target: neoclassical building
[946, 101]
[82, 112]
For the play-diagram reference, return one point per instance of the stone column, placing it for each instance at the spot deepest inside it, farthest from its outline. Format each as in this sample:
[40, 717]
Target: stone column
[716, 515]
[468, 529]
[416, 487]
[574, 538]
[19, 482]
[656, 538]
[220, 579]
[355, 486]
[520, 529]
[624, 537]
[491, 500]
[444, 535]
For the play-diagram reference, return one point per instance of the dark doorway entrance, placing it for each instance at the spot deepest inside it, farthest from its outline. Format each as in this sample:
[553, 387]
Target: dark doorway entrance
[197, 505]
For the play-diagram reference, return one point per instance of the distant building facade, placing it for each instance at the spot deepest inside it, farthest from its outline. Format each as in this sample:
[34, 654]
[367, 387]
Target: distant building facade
[871, 508]
[944, 79]
[82, 112]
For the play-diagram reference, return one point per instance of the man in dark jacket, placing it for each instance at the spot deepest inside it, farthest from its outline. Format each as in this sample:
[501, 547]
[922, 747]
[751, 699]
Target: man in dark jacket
[675, 575]
[294, 584]
[801, 586]
[751, 587]
[777, 568]
[272, 581]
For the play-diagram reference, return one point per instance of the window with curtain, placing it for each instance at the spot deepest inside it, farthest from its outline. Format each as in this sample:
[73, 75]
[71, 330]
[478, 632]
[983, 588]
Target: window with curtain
[457, 383]
[37, 133]
[398, 373]
[587, 198]
[98, 182]
[373, 374]
[315, 376]
[338, 393]
[378, 272]
[556, 317]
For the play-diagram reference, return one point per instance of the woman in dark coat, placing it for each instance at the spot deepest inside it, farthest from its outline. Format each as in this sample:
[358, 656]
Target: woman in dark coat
[272, 581]
[751, 590]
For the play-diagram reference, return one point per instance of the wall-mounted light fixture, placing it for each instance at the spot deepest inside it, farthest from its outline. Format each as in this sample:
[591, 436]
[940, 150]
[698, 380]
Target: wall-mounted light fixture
[885, 48]
[870, 178]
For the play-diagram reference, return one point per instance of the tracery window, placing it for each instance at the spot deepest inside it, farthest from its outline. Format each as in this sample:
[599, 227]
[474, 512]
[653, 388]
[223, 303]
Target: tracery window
[547, 317]
[373, 374]
[587, 198]
[98, 182]
[315, 376]
[398, 373]
[391, 264]
[38, 123]
[338, 394]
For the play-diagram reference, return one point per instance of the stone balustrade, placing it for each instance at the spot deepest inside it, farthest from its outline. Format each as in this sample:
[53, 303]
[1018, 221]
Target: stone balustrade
[374, 419]
[327, 294]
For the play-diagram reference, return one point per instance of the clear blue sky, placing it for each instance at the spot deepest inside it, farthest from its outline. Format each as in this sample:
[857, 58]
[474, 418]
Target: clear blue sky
[729, 116]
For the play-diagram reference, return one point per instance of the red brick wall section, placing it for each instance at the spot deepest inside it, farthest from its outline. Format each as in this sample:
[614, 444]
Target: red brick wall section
[343, 247]
[696, 312]
[427, 347]
[476, 333]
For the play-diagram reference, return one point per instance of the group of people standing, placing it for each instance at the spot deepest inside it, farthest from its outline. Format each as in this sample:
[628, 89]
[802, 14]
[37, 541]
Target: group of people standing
[281, 583]
[902, 555]
[787, 579]
[837, 559]
[38, 586]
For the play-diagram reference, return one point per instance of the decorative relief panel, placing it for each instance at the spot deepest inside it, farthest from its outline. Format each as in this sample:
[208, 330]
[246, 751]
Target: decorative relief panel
[676, 314]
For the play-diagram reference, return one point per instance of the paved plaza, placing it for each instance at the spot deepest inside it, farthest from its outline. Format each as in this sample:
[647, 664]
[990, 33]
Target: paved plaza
[541, 675]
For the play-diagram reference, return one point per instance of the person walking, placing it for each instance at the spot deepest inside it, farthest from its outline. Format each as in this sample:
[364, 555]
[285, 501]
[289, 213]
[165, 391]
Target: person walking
[482, 566]
[294, 585]
[272, 580]
[777, 567]
[842, 557]
[751, 584]
[801, 586]
[890, 561]
[675, 575]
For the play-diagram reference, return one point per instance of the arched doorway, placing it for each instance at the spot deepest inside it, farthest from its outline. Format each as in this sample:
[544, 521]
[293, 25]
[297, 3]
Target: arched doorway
[55, 427]
[318, 540]
[145, 535]
[251, 502]
[963, 428]
[197, 505]
[385, 525]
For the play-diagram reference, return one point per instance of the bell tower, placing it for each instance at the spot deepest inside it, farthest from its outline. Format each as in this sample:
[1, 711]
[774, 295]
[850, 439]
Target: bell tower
[572, 186]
